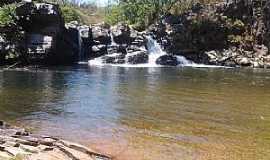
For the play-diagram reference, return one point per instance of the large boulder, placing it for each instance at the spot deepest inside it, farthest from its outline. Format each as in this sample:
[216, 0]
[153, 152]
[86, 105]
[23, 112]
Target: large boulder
[122, 34]
[100, 34]
[99, 50]
[167, 60]
[137, 57]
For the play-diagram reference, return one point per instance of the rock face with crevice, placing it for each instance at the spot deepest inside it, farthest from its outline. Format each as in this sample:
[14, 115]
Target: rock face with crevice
[16, 143]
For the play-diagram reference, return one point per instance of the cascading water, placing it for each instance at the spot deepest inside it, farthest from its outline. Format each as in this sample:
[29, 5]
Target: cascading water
[154, 52]
[113, 43]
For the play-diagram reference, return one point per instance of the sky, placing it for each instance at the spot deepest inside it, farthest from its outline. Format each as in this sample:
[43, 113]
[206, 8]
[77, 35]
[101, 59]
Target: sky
[98, 2]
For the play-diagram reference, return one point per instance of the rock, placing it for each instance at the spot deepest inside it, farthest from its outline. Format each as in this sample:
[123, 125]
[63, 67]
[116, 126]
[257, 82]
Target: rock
[137, 57]
[212, 55]
[260, 50]
[167, 60]
[122, 34]
[2, 123]
[46, 148]
[116, 49]
[116, 58]
[243, 61]
[100, 35]
[207, 33]
[99, 50]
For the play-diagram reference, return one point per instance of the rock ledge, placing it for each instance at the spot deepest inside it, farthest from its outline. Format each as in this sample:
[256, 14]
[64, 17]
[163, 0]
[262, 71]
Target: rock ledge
[16, 143]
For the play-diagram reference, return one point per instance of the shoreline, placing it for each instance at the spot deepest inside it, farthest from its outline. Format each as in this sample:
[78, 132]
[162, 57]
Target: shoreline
[17, 143]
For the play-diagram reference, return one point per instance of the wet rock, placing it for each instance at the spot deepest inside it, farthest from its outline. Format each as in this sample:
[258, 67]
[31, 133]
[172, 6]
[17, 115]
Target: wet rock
[243, 61]
[167, 60]
[116, 49]
[99, 50]
[137, 57]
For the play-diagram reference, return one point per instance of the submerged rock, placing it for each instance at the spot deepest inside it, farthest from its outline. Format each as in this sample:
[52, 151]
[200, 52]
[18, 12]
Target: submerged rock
[167, 60]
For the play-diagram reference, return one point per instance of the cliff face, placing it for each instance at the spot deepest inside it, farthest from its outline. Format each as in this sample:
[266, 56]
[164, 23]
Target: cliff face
[42, 24]
[224, 34]
[39, 36]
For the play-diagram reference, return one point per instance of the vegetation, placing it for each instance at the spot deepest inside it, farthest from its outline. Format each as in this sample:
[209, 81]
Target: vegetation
[70, 14]
[7, 15]
[75, 10]
[145, 12]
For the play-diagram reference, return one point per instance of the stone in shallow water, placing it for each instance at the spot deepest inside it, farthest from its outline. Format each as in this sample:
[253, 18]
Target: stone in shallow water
[167, 60]
[137, 57]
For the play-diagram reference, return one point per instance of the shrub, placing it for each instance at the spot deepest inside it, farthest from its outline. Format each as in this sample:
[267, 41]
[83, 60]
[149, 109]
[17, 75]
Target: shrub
[7, 15]
[70, 14]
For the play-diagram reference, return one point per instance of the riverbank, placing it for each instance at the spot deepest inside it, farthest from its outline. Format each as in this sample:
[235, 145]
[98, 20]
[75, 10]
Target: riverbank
[17, 143]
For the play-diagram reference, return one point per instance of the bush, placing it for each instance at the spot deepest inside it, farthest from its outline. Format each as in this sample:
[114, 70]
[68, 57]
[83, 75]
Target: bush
[7, 15]
[70, 14]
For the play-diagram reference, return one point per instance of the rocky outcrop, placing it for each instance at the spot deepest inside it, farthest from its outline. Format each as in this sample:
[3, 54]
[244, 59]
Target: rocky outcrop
[16, 143]
[118, 44]
[100, 34]
[123, 34]
[231, 33]
[45, 39]
[44, 27]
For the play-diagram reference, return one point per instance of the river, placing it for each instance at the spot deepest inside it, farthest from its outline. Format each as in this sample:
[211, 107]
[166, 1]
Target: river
[145, 113]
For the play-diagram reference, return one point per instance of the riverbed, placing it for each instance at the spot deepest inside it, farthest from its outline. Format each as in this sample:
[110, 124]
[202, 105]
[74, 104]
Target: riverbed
[156, 113]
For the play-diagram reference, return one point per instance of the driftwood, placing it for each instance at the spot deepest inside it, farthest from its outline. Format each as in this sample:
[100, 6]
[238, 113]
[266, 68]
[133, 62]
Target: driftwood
[18, 143]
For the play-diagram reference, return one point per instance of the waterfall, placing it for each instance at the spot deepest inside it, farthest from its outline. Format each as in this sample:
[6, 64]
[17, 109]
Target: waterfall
[80, 45]
[113, 43]
[154, 52]
[154, 49]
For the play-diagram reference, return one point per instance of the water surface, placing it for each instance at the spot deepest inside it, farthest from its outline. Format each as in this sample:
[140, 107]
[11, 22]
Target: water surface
[145, 113]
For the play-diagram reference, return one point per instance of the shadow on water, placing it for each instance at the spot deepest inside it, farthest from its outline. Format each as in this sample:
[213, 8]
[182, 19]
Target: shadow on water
[146, 113]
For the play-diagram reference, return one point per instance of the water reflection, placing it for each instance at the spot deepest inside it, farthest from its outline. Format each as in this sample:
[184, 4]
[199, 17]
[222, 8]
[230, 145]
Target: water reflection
[146, 113]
